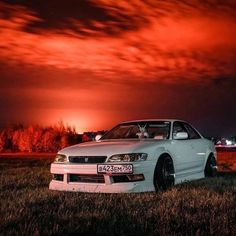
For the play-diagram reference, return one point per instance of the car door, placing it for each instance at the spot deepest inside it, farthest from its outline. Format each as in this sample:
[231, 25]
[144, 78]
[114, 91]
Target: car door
[198, 146]
[184, 152]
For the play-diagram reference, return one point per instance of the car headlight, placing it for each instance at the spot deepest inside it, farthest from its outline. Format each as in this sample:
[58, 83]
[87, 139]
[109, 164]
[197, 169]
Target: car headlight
[60, 158]
[129, 157]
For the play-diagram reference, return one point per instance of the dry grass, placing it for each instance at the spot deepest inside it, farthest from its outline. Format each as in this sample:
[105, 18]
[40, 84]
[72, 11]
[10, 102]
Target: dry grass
[205, 207]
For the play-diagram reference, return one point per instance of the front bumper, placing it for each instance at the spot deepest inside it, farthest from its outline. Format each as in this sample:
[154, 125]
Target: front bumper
[109, 186]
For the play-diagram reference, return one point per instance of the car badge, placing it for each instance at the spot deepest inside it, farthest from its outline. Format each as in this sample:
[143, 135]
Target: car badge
[86, 159]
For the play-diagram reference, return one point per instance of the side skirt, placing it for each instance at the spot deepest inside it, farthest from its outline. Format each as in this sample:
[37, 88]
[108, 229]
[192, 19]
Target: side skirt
[193, 176]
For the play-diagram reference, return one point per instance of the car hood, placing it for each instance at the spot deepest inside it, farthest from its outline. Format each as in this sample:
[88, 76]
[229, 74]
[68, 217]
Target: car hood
[108, 148]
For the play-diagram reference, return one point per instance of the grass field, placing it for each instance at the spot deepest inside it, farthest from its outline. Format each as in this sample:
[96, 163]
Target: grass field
[27, 207]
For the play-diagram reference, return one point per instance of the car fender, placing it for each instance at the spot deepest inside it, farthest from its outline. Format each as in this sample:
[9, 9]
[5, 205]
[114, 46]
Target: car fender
[209, 152]
[161, 150]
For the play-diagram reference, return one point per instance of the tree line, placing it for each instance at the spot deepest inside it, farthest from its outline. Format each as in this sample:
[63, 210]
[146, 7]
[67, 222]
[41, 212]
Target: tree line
[20, 138]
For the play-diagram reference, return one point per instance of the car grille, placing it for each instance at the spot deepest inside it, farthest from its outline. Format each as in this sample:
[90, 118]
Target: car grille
[87, 159]
[86, 178]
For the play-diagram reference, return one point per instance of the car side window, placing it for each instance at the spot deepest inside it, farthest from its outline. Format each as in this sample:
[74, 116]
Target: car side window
[192, 133]
[178, 127]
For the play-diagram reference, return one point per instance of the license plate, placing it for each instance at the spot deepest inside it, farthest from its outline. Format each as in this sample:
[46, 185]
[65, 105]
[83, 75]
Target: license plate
[115, 169]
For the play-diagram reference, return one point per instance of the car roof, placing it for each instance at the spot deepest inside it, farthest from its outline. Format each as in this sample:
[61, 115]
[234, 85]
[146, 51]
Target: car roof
[143, 120]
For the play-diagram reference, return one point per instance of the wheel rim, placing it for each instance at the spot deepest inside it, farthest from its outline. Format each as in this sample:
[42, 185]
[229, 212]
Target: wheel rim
[167, 173]
[213, 163]
[213, 166]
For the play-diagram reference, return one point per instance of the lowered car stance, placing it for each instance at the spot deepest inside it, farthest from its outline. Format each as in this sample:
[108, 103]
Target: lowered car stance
[135, 156]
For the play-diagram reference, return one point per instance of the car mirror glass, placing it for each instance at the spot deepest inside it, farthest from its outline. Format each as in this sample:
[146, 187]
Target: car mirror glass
[181, 135]
[97, 137]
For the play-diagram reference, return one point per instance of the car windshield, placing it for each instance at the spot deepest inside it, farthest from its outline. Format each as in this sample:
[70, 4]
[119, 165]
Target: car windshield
[159, 130]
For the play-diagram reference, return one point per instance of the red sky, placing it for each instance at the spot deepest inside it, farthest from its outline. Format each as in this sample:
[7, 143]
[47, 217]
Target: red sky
[95, 63]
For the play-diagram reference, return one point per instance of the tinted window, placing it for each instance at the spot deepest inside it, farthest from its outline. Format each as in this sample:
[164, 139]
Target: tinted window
[192, 133]
[178, 127]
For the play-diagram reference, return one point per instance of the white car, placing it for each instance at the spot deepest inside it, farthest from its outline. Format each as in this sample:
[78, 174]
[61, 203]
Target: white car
[135, 156]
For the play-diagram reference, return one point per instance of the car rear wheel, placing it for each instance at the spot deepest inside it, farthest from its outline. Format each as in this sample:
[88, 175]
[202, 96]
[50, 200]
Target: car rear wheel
[211, 167]
[164, 177]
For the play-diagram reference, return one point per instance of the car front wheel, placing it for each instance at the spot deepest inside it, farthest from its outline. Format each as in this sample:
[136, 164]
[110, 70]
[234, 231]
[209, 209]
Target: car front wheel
[164, 177]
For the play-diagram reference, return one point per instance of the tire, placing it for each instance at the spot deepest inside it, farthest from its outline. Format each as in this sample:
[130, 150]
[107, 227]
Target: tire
[164, 177]
[211, 167]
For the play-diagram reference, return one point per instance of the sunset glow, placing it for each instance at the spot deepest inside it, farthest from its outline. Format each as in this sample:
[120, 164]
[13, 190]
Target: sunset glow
[95, 63]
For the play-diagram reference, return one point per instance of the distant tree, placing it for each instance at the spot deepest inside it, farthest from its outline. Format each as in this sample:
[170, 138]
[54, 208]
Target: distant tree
[25, 143]
[16, 139]
[37, 140]
[60, 127]
[40, 139]
[3, 140]
[51, 141]
[8, 133]
[64, 142]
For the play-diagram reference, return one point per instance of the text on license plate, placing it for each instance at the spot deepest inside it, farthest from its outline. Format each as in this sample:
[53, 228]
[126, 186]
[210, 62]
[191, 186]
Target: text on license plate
[115, 169]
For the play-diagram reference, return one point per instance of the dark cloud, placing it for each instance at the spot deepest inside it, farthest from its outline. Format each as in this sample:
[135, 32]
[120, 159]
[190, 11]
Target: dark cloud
[81, 17]
[168, 46]
[89, 16]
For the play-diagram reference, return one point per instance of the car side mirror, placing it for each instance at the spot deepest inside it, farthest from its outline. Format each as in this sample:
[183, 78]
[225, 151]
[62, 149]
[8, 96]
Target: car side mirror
[181, 135]
[97, 137]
